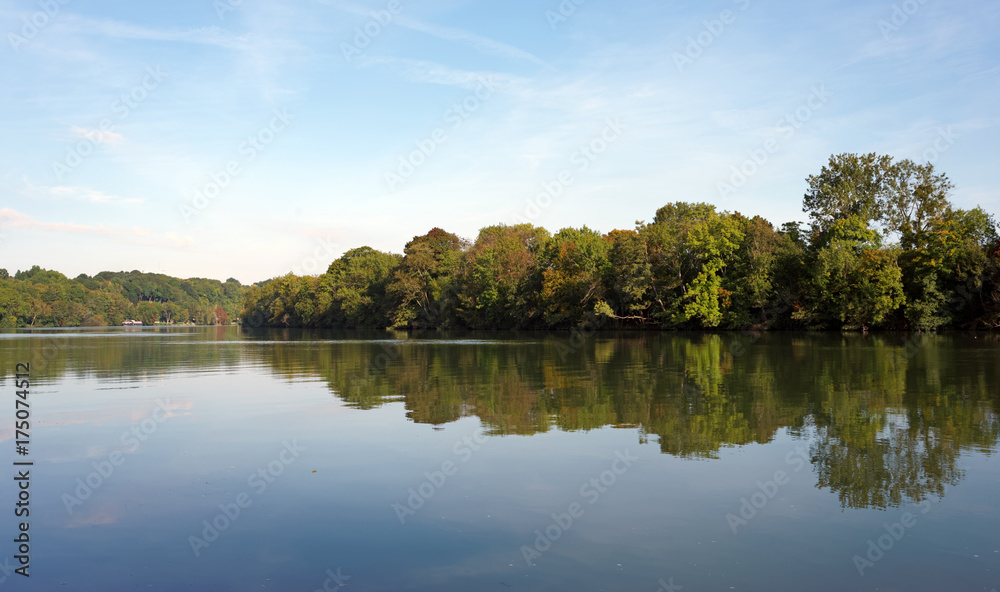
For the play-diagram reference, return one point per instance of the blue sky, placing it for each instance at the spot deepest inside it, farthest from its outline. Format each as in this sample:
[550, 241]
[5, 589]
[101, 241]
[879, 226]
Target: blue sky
[248, 138]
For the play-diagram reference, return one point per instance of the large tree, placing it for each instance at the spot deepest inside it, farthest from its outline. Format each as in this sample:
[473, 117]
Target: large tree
[849, 186]
[574, 264]
[627, 280]
[758, 279]
[501, 279]
[357, 284]
[688, 246]
[424, 286]
[856, 284]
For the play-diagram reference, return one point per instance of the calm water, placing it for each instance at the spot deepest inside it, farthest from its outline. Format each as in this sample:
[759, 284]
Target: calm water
[216, 459]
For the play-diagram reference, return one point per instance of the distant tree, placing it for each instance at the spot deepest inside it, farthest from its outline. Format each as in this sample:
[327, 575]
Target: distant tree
[424, 287]
[856, 284]
[501, 278]
[574, 265]
[849, 186]
[627, 281]
[946, 256]
[715, 241]
[916, 199]
[14, 308]
[147, 312]
[689, 246]
[357, 284]
[752, 276]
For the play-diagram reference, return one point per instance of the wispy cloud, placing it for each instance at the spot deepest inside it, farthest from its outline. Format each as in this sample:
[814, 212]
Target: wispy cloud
[107, 137]
[76, 193]
[177, 240]
[108, 28]
[10, 218]
[435, 73]
[478, 42]
[13, 219]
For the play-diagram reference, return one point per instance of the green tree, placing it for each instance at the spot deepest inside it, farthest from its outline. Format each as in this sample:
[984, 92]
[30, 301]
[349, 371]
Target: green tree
[855, 283]
[714, 241]
[425, 285]
[754, 275]
[357, 284]
[916, 199]
[628, 280]
[14, 308]
[501, 278]
[688, 246]
[849, 186]
[574, 264]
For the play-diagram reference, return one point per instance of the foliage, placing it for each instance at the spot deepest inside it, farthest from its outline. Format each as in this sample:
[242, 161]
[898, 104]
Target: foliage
[628, 280]
[885, 249]
[500, 278]
[575, 263]
[424, 287]
[44, 298]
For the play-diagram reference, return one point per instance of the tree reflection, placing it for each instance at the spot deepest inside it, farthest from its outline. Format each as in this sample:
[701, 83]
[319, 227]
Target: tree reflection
[891, 414]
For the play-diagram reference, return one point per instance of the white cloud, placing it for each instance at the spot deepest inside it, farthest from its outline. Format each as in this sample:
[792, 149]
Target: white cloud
[76, 193]
[177, 240]
[478, 42]
[10, 218]
[96, 135]
[435, 73]
[110, 28]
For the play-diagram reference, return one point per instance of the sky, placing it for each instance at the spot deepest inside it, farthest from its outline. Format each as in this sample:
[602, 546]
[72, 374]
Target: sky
[250, 138]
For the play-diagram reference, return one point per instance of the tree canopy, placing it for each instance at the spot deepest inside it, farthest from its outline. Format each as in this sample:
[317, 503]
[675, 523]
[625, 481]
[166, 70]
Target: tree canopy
[884, 249]
[44, 298]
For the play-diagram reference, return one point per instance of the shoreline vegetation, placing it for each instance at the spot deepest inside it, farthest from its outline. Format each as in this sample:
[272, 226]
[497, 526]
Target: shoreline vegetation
[883, 249]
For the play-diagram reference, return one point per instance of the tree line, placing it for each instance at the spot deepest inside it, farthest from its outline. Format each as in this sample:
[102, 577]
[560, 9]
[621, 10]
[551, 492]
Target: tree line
[883, 248]
[43, 298]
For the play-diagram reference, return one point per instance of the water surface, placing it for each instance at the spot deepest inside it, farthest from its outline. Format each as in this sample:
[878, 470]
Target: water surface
[505, 462]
